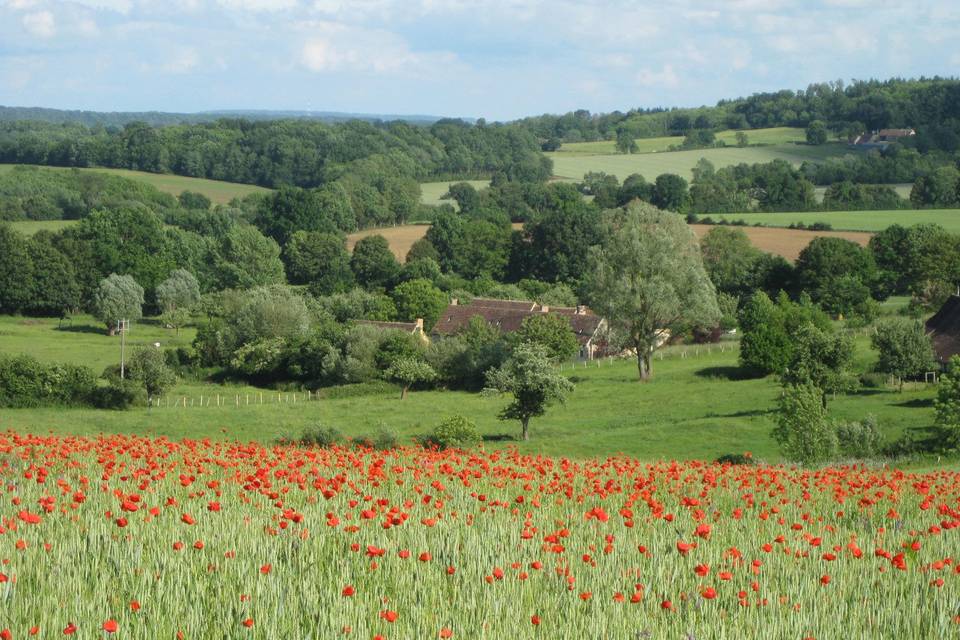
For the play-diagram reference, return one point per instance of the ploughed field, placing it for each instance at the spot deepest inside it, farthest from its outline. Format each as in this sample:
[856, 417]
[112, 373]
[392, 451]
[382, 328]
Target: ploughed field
[785, 242]
[202, 539]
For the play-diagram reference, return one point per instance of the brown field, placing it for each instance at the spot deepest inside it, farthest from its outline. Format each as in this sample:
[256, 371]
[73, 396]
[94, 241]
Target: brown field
[785, 242]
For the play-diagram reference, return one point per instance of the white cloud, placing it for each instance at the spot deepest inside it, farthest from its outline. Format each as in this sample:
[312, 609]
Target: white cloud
[20, 5]
[182, 62]
[330, 47]
[40, 24]
[258, 5]
[119, 6]
[665, 78]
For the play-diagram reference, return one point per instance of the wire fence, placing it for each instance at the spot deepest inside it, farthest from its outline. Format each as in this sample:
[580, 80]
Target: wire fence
[237, 399]
[681, 351]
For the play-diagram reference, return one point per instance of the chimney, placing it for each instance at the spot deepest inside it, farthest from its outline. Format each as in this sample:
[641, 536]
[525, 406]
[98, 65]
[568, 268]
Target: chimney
[419, 324]
[580, 310]
[544, 308]
[454, 301]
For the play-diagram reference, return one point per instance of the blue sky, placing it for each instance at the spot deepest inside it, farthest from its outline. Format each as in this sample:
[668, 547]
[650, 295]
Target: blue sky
[497, 59]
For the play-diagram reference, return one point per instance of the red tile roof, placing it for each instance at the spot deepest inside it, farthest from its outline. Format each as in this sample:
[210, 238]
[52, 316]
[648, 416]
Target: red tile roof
[507, 318]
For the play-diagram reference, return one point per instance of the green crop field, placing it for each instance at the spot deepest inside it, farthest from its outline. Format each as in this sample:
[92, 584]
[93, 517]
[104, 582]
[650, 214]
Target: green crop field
[567, 166]
[219, 192]
[854, 220]
[773, 135]
[432, 192]
[694, 408]
[30, 227]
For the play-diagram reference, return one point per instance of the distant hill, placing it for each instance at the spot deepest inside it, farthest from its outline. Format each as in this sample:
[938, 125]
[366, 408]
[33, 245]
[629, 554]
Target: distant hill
[160, 118]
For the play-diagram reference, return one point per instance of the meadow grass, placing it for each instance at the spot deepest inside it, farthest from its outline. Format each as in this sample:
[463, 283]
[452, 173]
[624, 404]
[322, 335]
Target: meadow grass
[696, 406]
[432, 192]
[772, 135]
[572, 167]
[853, 220]
[30, 227]
[218, 191]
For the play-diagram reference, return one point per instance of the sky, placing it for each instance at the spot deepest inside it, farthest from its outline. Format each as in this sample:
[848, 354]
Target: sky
[496, 59]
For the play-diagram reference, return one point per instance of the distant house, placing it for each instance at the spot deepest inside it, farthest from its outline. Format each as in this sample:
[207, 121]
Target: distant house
[881, 138]
[508, 315]
[944, 330]
[415, 328]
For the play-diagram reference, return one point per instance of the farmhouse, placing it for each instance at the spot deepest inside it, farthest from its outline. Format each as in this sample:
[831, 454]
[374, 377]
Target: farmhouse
[944, 330]
[881, 138]
[508, 315]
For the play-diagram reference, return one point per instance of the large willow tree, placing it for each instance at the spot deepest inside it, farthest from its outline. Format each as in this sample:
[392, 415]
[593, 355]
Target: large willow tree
[647, 276]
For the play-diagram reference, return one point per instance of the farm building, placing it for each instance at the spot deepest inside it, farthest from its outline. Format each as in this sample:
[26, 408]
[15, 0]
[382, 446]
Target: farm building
[881, 138]
[508, 315]
[944, 330]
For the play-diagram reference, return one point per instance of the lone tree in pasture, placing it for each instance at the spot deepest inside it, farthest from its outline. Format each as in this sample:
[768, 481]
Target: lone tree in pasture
[905, 349]
[532, 380]
[117, 298]
[646, 276]
[176, 295]
[408, 371]
[626, 142]
[821, 359]
[148, 367]
[816, 132]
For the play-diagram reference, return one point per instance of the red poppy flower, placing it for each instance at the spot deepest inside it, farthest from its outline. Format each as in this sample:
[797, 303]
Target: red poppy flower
[70, 629]
[265, 569]
[535, 620]
[110, 626]
[348, 591]
[389, 616]
[248, 623]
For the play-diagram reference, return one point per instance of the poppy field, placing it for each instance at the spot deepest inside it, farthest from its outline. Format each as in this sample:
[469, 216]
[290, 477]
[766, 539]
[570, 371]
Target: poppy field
[133, 537]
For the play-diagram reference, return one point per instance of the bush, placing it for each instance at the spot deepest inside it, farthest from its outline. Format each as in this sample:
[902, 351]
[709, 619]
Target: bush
[27, 382]
[320, 436]
[734, 458]
[118, 395]
[383, 438]
[802, 430]
[860, 439]
[456, 432]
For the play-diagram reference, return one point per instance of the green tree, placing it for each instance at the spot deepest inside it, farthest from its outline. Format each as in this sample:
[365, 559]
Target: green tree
[905, 348]
[320, 260]
[194, 200]
[552, 332]
[55, 288]
[422, 249]
[768, 330]
[670, 192]
[408, 371]
[646, 276]
[803, 431]
[821, 359]
[176, 295]
[117, 298]
[419, 299]
[729, 256]
[947, 404]
[532, 380]
[937, 189]
[290, 209]
[246, 258]
[816, 132]
[742, 139]
[16, 271]
[373, 264]
[148, 367]
[826, 267]
[626, 142]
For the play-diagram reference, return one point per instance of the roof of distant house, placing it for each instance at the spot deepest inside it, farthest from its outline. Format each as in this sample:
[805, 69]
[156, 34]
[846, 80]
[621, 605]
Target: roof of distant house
[944, 329]
[508, 315]
[409, 327]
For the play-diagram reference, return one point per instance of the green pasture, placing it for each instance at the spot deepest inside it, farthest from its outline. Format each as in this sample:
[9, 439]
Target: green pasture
[219, 192]
[568, 166]
[432, 192]
[30, 227]
[772, 135]
[853, 220]
[696, 406]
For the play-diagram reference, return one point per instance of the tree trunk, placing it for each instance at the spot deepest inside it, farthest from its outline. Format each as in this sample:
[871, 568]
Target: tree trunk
[111, 330]
[526, 424]
[403, 392]
[644, 363]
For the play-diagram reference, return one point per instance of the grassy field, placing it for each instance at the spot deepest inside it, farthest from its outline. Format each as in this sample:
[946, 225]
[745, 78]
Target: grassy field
[30, 227]
[431, 192]
[854, 220]
[219, 192]
[773, 135]
[572, 166]
[609, 411]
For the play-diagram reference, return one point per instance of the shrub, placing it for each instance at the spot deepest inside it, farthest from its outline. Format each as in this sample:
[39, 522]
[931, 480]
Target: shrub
[734, 458]
[860, 439]
[802, 430]
[320, 436]
[118, 395]
[383, 438]
[456, 432]
[27, 382]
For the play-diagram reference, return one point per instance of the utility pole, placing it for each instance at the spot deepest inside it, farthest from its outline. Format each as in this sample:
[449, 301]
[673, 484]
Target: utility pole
[122, 326]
